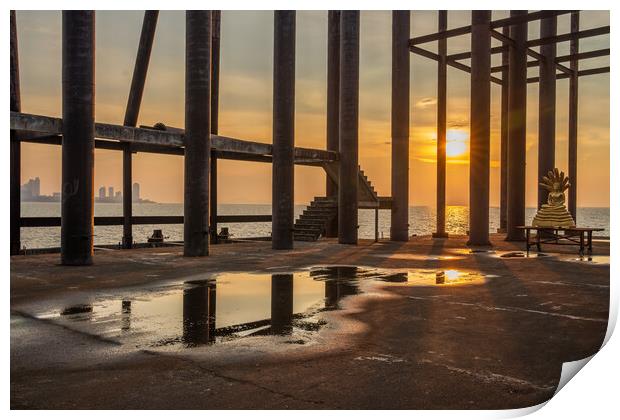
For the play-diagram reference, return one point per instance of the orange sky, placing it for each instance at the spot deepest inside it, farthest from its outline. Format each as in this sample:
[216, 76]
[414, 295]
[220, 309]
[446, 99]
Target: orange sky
[246, 95]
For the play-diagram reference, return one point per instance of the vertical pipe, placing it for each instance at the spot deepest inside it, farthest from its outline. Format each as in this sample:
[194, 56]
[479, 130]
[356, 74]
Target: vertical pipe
[573, 103]
[480, 130]
[216, 16]
[134, 100]
[399, 227]
[197, 132]
[442, 79]
[281, 303]
[376, 224]
[517, 104]
[333, 98]
[78, 141]
[213, 199]
[283, 129]
[349, 118]
[15, 144]
[503, 188]
[546, 106]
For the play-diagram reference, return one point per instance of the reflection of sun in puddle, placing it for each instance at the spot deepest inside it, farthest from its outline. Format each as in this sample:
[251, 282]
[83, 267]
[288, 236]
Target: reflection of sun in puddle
[447, 277]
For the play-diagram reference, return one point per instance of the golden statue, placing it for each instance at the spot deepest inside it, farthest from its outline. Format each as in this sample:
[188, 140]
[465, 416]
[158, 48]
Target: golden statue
[554, 213]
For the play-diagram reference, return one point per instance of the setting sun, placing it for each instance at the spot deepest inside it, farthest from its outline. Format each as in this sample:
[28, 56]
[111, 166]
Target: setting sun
[456, 143]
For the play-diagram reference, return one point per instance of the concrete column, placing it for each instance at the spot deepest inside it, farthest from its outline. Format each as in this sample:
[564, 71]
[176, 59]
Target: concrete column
[197, 132]
[333, 103]
[442, 81]
[573, 104]
[216, 16]
[15, 151]
[399, 226]
[349, 118]
[503, 182]
[283, 171]
[480, 131]
[546, 106]
[281, 303]
[134, 100]
[78, 141]
[517, 104]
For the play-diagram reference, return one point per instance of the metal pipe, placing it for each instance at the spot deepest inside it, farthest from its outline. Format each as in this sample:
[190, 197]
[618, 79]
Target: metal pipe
[442, 86]
[517, 105]
[197, 132]
[348, 172]
[78, 142]
[480, 140]
[573, 105]
[283, 171]
[546, 106]
[503, 194]
[216, 16]
[15, 152]
[134, 100]
[399, 227]
[333, 103]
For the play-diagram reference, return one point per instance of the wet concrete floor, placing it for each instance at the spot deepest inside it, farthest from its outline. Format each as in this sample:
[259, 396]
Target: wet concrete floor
[424, 324]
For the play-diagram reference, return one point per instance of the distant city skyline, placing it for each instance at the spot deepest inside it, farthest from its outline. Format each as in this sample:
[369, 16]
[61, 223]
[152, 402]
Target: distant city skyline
[31, 192]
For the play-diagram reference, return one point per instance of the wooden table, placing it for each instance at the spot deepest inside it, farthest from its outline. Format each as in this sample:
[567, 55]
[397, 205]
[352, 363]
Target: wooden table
[581, 236]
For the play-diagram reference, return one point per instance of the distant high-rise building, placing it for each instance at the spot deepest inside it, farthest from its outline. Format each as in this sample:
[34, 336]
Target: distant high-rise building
[135, 192]
[101, 193]
[118, 194]
[111, 192]
[31, 189]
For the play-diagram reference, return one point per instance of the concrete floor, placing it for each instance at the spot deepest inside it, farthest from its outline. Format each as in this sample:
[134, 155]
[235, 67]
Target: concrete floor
[500, 344]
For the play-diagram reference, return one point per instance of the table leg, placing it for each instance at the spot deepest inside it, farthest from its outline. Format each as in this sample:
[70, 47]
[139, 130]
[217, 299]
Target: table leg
[527, 242]
[581, 244]
[538, 240]
[590, 242]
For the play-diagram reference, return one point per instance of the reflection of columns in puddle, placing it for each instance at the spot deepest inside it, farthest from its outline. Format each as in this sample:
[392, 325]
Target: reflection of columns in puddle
[341, 283]
[126, 315]
[282, 304]
[199, 314]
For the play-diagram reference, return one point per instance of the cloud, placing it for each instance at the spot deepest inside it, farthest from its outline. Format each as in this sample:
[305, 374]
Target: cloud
[426, 102]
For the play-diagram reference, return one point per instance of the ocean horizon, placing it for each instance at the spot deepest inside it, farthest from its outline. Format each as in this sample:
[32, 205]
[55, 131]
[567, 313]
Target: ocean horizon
[421, 221]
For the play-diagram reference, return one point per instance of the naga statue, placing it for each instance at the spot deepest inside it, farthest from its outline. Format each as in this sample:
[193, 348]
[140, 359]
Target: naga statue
[554, 213]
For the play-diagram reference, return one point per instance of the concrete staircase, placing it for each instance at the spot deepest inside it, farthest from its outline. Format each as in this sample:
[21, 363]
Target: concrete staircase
[315, 218]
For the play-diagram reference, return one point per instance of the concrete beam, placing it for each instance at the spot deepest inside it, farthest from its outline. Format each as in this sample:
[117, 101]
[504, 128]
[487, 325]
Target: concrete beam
[197, 132]
[348, 172]
[546, 106]
[15, 150]
[517, 106]
[399, 226]
[283, 172]
[333, 104]
[145, 46]
[442, 87]
[480, 137]
[78, 141]
[43, 125]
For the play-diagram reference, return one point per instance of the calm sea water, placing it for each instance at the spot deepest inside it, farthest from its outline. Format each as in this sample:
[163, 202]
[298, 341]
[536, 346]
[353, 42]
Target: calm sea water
[421, 221]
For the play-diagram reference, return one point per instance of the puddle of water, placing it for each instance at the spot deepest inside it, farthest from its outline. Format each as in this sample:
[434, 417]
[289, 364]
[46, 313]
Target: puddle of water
[235, 305]
[592, 259]
[419, 257]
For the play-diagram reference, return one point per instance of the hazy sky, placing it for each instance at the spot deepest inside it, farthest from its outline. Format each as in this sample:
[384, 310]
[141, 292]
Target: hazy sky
[246, 104]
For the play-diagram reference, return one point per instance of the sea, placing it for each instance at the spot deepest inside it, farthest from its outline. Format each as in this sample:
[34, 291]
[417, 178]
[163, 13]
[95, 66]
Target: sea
[421, 221]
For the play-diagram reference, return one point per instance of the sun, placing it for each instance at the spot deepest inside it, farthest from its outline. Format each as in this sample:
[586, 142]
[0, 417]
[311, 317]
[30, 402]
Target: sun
[456, 143]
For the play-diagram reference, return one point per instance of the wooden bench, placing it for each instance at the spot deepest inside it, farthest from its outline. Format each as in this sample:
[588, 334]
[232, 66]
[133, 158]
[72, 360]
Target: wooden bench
[581, 236]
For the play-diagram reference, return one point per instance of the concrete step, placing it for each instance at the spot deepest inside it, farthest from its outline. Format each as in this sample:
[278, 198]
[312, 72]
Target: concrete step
[305, 238]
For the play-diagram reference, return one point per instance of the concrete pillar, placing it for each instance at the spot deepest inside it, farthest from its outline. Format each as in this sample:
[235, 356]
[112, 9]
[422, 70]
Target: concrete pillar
[283, 171]
[480, 131]
[333, 103]
[281, 303]
[197, 132]
[573, 104]
[546, 106]
[517, 105]
[399, 226]
[503, 182]
[442, 81]
[349, 118]
[78, 141]
[216, 16]
[15, 151]
[134, 100]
